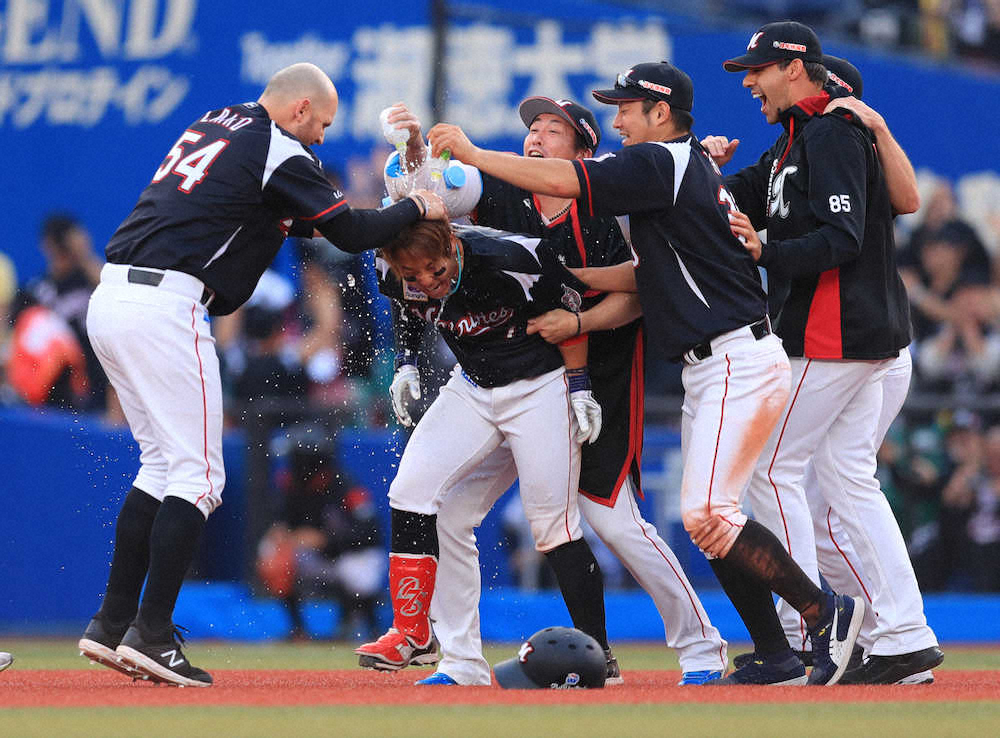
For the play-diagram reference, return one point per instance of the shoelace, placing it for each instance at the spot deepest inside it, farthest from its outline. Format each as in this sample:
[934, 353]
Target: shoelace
[178, 633]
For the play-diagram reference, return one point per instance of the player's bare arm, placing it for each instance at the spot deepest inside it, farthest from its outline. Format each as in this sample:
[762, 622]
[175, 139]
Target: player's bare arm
[744, 230]
[547, 176]
[899, 174]
[613, 311]
[720, 148]
[617, 278]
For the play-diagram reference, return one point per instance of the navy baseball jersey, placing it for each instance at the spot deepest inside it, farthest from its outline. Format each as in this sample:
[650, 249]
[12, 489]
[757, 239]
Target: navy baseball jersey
[830, 254]
[222, 202]
[615, 357]
[692, 272]
[505, 280]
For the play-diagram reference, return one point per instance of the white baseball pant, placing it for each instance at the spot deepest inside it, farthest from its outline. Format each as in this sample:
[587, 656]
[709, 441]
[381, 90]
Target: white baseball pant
[838, 414]
[454, 607]
[732, 401]
[466, 423]
[155, 345]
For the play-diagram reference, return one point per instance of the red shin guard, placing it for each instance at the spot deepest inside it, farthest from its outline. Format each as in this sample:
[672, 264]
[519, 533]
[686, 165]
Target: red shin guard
[411, 584]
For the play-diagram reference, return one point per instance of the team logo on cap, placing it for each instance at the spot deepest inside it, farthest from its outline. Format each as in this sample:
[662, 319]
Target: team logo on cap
[590, 131]
[662, 89]
[789, 46]
[524, 651]
[754, 39]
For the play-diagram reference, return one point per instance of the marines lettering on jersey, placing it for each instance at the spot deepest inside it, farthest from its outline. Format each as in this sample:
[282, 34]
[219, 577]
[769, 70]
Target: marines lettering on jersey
[470, 324]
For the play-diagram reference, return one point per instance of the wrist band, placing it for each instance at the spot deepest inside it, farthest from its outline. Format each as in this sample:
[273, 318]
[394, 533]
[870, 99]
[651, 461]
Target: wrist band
[578, 379]
[578, 324]
[405, 357]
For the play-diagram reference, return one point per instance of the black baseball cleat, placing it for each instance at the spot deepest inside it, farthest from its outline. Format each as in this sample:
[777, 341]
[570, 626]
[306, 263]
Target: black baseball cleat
[614, 676]
[741, 660]
[833, 638]
[904, 668]
[779, 670]
[99, 642]
[159, 658]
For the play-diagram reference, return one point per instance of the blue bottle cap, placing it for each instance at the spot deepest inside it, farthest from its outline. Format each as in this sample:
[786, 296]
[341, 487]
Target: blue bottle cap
[454, 177]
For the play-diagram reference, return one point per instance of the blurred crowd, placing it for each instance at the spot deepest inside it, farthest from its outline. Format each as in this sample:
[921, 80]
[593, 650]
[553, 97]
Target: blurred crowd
[314, 342]
[963, 30]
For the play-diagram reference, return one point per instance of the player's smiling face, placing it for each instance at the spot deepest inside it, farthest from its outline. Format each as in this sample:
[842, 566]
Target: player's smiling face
[633, 125]
[769, 85]
[549, 136]
[431, 275]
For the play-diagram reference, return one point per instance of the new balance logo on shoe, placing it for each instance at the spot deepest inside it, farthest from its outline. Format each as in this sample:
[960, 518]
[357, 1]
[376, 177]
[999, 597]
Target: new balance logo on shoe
[175, 657]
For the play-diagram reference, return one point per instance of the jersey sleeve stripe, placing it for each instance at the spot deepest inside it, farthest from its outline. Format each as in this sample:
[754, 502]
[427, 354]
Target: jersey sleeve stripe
[324, 212]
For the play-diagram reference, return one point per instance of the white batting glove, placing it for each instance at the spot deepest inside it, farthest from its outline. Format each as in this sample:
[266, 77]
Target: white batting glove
[406, 380]
[586, 410]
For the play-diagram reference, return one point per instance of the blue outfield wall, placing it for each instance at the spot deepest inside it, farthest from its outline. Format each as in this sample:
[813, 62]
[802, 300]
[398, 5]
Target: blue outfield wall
[229, 611]
[65, 476]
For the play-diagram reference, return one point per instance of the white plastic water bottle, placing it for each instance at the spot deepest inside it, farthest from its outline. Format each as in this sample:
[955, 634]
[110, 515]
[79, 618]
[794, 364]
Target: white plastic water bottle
[438, 166]
[395, 136]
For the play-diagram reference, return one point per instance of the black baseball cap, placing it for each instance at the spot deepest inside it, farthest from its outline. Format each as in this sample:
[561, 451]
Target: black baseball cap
[582, 120]
[843, 73]
[555, 658]
[775, 42]
[657, 81]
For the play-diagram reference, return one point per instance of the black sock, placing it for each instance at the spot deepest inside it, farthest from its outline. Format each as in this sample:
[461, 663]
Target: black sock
[752, 600]
[414, 533]
[130, 559]
[582, 586]
[172, 546]
[294, 606]
[759, 553]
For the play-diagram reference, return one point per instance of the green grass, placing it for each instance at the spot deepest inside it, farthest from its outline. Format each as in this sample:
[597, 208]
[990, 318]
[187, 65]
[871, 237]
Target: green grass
[62, 654]
[886, 720]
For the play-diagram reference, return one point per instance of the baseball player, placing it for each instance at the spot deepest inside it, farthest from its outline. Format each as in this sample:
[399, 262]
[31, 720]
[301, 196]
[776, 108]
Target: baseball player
[478, 287]
[234, 185]
[838, 562]
[609, 476]
[705, 306]
[843, 317]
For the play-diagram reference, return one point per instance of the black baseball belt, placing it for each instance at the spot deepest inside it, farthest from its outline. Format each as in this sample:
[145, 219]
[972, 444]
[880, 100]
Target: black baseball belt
[153, 279]
[703, 350]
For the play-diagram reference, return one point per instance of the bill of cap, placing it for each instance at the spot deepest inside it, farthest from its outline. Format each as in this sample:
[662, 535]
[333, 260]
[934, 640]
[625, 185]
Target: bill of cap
[617, 95]
[510, 675]
[747, 61]
[532, 107]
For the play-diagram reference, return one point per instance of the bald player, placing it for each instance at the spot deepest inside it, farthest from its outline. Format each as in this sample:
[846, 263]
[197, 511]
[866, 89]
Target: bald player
[235, 183]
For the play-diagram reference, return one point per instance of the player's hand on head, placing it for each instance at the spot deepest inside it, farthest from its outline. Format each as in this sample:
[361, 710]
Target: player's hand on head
[405, 387]
[743, 229]
[431, 205]
[720, 148]
[554, 326]
[446, 136]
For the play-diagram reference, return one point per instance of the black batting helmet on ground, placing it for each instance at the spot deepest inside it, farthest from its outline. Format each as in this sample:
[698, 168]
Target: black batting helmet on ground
[554, 658]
